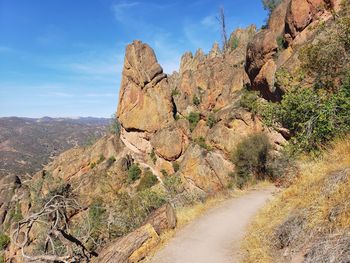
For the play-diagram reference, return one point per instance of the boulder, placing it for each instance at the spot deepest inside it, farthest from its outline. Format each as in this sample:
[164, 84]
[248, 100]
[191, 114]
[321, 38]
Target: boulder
[205, 170]
[299, 15]
[265, 81]
[130, 248]
[145, 98]
[169, 143]
[163, 218]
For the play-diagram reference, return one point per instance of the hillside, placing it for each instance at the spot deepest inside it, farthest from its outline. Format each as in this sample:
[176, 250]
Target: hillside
[27, 144]
[225, 120]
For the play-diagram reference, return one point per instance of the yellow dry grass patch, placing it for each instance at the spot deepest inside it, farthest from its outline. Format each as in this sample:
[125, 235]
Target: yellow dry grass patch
[306, 193]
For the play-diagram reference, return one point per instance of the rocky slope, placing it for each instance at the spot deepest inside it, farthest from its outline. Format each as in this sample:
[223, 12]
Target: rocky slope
[177, 133]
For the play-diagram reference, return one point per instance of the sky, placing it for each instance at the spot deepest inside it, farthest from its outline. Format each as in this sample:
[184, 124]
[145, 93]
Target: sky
[64, 58]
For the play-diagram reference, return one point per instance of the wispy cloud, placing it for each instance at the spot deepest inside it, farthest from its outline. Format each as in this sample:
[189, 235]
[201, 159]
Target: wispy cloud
[95, 69]
[121, 10]
[210, 21]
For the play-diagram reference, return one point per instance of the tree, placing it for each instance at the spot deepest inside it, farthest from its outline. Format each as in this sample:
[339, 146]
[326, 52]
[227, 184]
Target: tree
[222, 22]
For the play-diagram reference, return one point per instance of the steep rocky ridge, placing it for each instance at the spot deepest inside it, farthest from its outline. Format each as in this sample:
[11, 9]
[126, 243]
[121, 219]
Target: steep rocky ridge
[181, 127]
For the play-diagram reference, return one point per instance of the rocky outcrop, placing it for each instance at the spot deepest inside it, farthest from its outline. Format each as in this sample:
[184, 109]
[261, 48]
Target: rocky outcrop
[131, 248]
[137, 244]
[291, 24]
[144, 99]
[214, 78]
[8, 187]
[205, 170]
[163, 218]
[170, 143]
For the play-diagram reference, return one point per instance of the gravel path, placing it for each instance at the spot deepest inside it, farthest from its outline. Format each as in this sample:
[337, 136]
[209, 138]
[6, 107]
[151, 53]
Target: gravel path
[215, 236]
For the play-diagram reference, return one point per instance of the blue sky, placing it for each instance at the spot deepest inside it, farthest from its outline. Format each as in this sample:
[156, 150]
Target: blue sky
[63, 58]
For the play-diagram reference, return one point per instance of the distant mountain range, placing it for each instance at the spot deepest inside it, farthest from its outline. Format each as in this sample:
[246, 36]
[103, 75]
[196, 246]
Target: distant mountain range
[26, 144]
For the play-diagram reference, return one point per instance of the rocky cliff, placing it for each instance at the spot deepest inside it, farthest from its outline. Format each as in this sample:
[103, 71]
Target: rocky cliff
[177, 133]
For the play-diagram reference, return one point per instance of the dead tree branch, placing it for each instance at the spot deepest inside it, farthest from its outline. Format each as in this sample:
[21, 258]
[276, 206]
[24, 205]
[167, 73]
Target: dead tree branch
[222, 22]
[53, 220]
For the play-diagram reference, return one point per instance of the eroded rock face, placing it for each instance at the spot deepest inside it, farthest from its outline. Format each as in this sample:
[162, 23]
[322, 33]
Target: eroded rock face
[262, 49]
[291, 24]
[207, 171]
[214, 78]
[170, 143]
[144, 99]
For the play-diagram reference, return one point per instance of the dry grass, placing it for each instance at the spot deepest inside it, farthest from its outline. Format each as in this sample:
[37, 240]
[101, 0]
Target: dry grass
[320, 192]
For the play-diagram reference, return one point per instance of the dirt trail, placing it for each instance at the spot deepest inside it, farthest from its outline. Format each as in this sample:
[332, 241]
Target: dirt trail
[215, 236]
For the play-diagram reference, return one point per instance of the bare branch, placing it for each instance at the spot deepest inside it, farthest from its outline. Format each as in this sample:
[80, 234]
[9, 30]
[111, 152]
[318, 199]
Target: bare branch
[53, 216]
[222, 22]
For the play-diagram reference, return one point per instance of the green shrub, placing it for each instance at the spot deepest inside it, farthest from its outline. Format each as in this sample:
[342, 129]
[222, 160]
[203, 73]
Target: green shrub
[211, 121]
[173, 184]
[281, 43]
[16, 213]
[282, 167]
[110, 161]
[175, 92]
[92, 165]
[176, 166]
[4, 241]
[328, 59]
[193, 119]
[115, 126]
[201, 142]
[164, 173]
[97, 216]
[314, 117]
[270, 5]
[130, 211]
[147, 181]
[134, 173]
[249, 100]
[153, 156]
[101, 158]
[251, 158]
[234, 42]
[196, 101]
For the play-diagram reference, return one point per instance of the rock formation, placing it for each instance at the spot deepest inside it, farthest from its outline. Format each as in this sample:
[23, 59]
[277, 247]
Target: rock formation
[145, 101]
[180, 128]
[291, 25]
